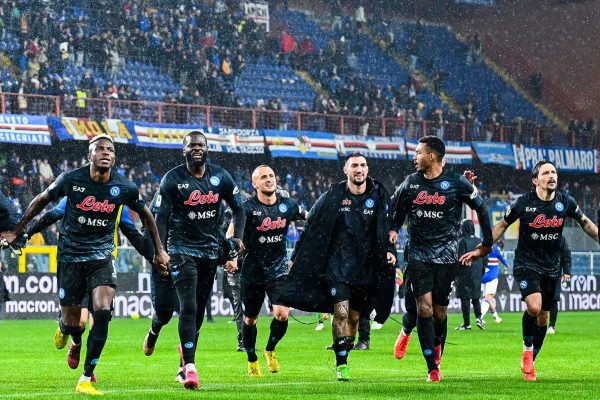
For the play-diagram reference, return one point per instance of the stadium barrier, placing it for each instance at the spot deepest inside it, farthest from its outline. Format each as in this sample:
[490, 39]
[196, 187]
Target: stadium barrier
[34, 295]
[212, 116]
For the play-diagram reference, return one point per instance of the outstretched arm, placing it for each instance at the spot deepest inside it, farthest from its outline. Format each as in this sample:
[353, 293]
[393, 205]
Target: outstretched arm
[161, 258]
[588, 227]
[35, 207]
[481, 251]
[50, 217]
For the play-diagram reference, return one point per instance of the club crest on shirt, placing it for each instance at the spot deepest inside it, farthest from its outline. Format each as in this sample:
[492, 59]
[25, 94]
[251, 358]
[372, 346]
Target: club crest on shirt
[283, 207]
[523, 284]
[215, 181]
[559, 206]
[370, 203]
[445, 185]
[115, 191]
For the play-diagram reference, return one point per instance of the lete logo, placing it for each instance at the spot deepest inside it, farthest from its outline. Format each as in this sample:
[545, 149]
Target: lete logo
[425, 198]
[90, 204]
[542, 222]
[196, 197]
[268, 224]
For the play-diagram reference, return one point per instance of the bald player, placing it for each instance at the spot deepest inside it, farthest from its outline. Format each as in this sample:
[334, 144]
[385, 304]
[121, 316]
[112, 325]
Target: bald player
[264, 263]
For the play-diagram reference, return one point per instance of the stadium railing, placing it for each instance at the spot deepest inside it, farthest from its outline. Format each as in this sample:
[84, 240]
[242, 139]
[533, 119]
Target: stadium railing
[214, 116]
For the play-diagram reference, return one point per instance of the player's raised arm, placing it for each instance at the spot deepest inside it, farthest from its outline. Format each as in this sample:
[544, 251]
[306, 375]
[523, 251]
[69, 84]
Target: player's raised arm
[588, 227]
[55, 191]
[50, 217]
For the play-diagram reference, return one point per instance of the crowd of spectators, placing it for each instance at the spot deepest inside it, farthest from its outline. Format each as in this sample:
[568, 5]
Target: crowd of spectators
[204, 45]
[26, 173]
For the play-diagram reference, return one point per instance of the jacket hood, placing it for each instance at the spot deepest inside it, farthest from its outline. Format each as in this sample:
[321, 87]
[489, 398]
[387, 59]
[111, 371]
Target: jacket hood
[467, 227]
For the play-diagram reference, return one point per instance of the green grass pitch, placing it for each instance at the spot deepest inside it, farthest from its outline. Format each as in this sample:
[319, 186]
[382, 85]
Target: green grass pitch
[476, 365]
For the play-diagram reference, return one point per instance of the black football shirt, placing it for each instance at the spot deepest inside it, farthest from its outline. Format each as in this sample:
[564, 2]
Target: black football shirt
[540, 230]
[434, 210]
[265, 257]
[193, 209]
[91, 212]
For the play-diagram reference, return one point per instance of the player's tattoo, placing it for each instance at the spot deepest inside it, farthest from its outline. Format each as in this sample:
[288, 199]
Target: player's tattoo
[340, 319]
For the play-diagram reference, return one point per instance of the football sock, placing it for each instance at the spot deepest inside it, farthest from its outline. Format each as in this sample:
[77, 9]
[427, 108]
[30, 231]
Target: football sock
[426, 331]
[96, 341]
[529, 325]
[249, 333]
[160, 319]
[554, 314]
[477, 308]
[76, 336]
[538, 340]
[465, 307]
[74, 331]
[485, 307]
[441, 332]
[342, 347]
[409, 321]
[278, 330]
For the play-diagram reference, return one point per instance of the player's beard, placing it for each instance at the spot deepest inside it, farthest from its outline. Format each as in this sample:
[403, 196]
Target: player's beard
[358, 183]
[191, 161]
[268, 192]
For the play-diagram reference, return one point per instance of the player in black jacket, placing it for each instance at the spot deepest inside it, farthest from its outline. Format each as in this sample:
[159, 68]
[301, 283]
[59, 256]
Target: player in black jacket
[346, 243]
[542, 213]
[468, 278]
[433, 199]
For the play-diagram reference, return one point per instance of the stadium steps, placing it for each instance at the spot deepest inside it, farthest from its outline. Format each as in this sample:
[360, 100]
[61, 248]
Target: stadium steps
[561, 123]
[453, 106]
[316, 86]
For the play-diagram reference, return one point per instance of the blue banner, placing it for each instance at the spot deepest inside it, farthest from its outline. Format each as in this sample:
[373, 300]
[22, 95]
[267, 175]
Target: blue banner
[566, 159]
[301, 144]
[221, 140]
[495, 153]
[234, 140]
[391, 148]
[151, 134]
[67, 128]
[24, 129]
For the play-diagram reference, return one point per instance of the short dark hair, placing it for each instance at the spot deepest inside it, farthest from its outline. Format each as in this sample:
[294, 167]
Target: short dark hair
[100, 137]
[536, 168]
[355, 154]
[193, 133]
[435, 144]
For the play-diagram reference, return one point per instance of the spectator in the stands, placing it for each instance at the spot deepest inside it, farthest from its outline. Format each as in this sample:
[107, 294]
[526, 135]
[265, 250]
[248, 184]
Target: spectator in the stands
[359, 17]
[287, 46]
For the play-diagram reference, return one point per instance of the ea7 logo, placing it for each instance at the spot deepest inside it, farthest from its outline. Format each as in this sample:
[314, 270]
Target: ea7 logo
[530, 209]
[183, 185]
[413, 186]
[254, 212]
[78, 189]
